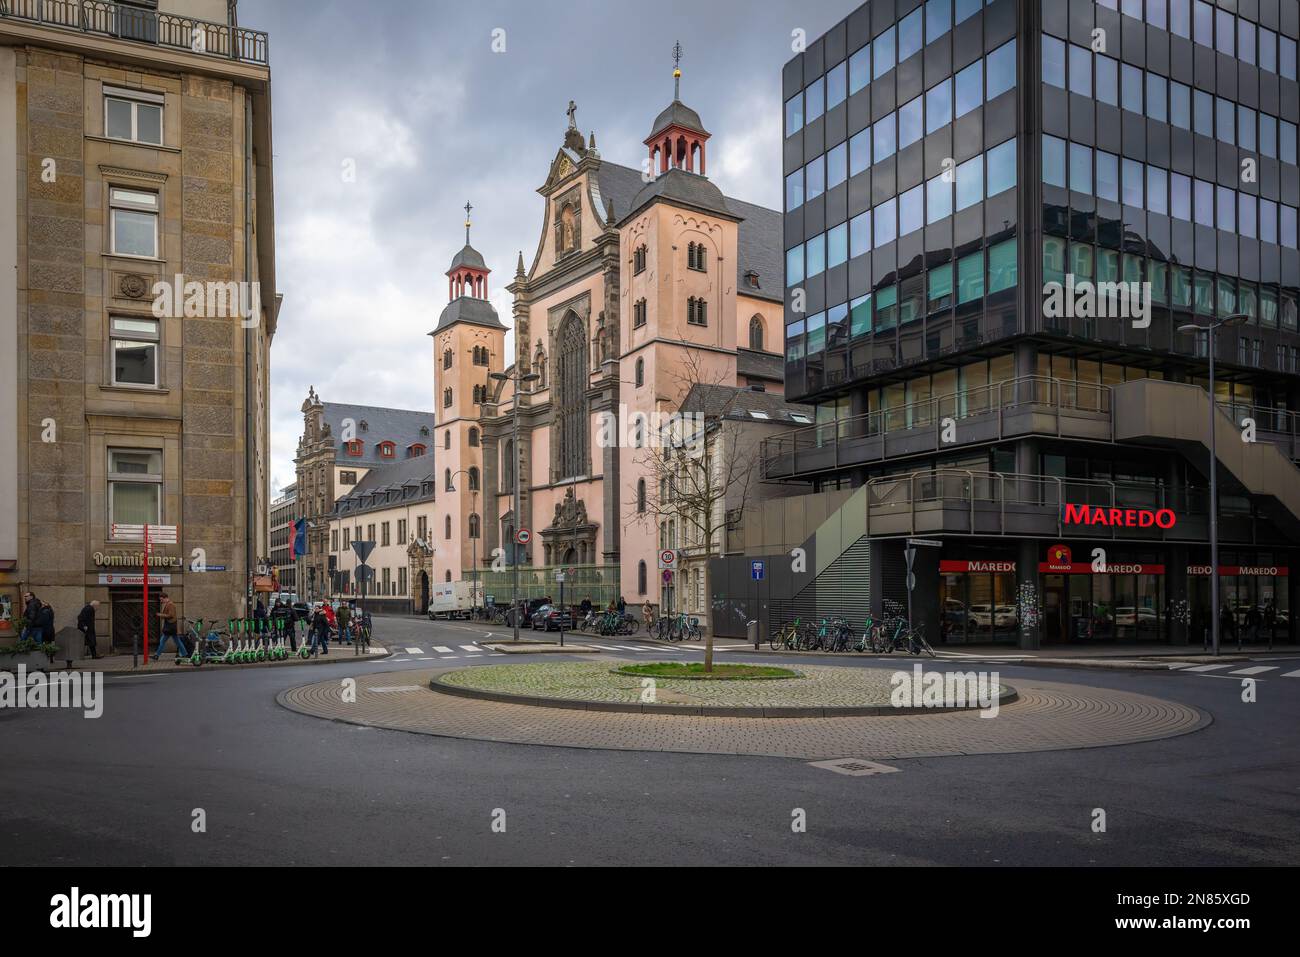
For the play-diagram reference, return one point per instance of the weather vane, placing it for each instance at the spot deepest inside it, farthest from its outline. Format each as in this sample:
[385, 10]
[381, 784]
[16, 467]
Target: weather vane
[677, 71]
[468, 207]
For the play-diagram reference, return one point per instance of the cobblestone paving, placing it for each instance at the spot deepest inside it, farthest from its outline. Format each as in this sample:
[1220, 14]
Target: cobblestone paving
[1048, 716]
[819, 686]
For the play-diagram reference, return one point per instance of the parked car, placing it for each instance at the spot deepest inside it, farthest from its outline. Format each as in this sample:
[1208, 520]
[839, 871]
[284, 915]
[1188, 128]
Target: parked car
[529, 607]
[551, 618]
[1004, 616]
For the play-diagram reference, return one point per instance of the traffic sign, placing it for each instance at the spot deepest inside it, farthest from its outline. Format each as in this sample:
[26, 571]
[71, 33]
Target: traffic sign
[756, 571]
[668, 576]
[158, 534]
[668, 558]
[925, 542]
[524, 536]
[364, 572]
[363, 550]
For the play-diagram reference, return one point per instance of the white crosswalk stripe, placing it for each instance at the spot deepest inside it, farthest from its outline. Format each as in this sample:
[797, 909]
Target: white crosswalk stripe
[1258, 669]
[442, 649]
[415, 651]
[469, 648]
[1290, 674]
[1209, 667]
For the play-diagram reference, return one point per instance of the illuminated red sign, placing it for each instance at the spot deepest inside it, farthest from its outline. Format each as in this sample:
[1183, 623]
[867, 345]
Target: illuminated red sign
[1114, 568]
[952, 567]
[1279, 571]
[1119, 517]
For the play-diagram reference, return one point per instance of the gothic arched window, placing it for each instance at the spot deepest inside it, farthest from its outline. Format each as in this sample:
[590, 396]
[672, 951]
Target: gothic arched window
[446, 397]
[446, 439]
[446, 481]
[571, 401]
[756, 334]
[473, 438]
[473, 479]
[508, 466]
[640, 495]
[473, 526]
[446, 359]
[448, 523]
[640, 578]
[640, 373]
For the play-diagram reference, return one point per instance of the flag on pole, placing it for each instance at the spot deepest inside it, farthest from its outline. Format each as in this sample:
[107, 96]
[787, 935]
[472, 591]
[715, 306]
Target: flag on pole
[298, 544]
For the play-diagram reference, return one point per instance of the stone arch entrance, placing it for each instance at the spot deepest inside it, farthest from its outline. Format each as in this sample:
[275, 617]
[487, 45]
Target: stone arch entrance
[423, 607]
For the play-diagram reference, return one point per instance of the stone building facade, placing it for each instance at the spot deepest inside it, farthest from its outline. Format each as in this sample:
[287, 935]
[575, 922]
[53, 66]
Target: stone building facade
[133, 153]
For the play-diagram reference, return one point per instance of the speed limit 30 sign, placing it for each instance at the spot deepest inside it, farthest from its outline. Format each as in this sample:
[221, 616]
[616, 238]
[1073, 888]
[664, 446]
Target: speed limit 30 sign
[667, 558]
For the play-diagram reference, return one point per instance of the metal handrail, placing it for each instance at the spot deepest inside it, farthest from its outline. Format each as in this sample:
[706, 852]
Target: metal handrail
[121, 21]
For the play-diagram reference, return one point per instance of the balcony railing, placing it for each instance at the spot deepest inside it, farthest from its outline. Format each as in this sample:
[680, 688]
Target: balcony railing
[126, 22]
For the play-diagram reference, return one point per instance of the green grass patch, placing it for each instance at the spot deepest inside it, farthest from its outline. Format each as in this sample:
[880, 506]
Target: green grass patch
[675, 669]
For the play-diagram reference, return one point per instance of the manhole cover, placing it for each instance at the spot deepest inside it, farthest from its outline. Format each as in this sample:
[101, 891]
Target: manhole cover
[854, 767]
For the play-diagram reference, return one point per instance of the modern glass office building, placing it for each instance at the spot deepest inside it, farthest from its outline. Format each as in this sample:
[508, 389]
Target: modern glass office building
[999, 216]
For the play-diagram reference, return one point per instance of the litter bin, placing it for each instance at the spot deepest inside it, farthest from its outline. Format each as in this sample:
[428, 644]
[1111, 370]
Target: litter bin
[751, 631]
[71, 643]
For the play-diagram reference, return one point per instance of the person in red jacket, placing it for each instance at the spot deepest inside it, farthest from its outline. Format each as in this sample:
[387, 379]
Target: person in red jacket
[329, 616]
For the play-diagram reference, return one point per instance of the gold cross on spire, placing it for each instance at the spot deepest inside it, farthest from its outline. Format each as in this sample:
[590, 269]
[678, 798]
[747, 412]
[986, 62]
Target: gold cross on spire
[468, 207]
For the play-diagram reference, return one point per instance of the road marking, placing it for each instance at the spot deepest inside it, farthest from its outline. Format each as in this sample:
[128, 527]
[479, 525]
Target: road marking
[442, 649]
[473, 656]
[449, 657]
[1256, 670]
[423, 659]
[497, 654]
[1209, 667]
[399, 659]
[1290, 674]
[415, 651]
[469, 647]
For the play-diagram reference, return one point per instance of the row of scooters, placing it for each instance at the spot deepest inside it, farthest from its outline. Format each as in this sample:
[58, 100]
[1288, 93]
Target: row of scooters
[248, 642]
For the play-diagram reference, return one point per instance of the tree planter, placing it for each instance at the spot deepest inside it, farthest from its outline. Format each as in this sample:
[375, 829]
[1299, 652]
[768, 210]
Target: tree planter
[32, 660]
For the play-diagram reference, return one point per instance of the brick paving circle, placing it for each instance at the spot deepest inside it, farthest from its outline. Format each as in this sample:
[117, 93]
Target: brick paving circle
[1048, 716]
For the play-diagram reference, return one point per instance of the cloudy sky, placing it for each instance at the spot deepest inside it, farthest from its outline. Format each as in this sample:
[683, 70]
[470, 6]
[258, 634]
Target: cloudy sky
[411, 94]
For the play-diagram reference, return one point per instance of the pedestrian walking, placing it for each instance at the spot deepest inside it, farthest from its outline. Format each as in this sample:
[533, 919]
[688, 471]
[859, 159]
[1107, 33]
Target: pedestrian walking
[169, 619]
[1270, 622]
[45, 623]
[344, 618]
[1253, 622]
[1228, 625]
[320, 632]
[31, 611]
[648, 614]
[86, 625]
[282, 620]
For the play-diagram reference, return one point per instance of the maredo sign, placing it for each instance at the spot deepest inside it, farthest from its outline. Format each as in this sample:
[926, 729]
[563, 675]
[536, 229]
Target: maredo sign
[1120, 517]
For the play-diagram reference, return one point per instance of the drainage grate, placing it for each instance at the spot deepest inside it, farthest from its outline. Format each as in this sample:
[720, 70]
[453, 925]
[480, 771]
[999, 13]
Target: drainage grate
[854, 767]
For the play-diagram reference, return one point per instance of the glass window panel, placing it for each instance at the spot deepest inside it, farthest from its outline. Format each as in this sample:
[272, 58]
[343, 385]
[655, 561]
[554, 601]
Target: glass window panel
[1053, 61]
[1287, 226]
[816, 333]
[1080, 70]
[837, 165]
[1053, 259]
[883, 225]
[148, 123]
[967, 9]
[814, 98]
[938, 19]
[1225, 124]
[1180, 17]
[1267, 50]
[1157, 94]
[938, 199]
[1248, 300]
[886, 308]
[940, 279]
[1159, 279]
[1245, 41]
[814, 178]
[860, 69]
[1268, 307]
[970, 277]
[1131, 182]
[1268, 135]
[1131, 78]
[1286, 57]
[1180, 196]
[909, 123]
[1286, 150]
[1180, 287]
[970, 88]
[1000, 67]
[1080, 168]
[1204, 195]
[1108, 176]
[136, 327]
[859, 151]
[1203, 292]
[909, 35]
[1226, 32]
[1156, 13]
[117, 118]
[794, 114]
[134, 462]
[837, 245]
[135, 363]
[1203, 113]
[1267, 221]
[1180, 105]
[1001, 174]
[860, 234]
[1227, 296]
[1081, 259]
[883, 139]
[1157, 190]
[938, 106]
[1107, 80]
[134, 503]
[970, 182]
[135, 233]
[836, 90]
[794, 189]
[860, 315]
[882, 54]
[1107, 265]
[1203, 23]
[133, 197]
[1002, 266]
[1246, 210]
[794, 266]
[1227, 209]
[911, 211]
[815, 251]
[1132, 8]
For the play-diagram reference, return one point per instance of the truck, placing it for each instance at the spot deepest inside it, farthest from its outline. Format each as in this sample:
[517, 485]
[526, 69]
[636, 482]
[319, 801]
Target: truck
[451, 600]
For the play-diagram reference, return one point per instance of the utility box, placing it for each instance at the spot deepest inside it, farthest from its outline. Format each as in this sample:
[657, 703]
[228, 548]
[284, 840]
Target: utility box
[71, 643]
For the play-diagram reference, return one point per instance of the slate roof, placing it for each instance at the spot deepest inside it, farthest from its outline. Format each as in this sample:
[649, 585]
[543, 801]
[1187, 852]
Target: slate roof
[480, 312]
[760, 365]
[677, 113]
[760, 232]
[469, 257]
[401, 426]
[737, 404]
[394, 476]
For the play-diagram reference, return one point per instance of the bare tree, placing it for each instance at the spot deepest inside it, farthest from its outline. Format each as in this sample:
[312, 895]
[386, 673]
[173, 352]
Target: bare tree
[700, 467]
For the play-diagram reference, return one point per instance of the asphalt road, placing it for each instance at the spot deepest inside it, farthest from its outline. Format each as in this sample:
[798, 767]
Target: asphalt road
[277, 787]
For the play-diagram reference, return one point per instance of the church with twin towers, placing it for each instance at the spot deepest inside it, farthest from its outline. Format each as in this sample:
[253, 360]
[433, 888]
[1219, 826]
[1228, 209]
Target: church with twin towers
[643, 283]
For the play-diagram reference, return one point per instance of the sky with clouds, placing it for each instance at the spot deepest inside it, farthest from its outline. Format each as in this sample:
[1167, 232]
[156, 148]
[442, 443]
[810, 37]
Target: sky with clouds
[411, 95]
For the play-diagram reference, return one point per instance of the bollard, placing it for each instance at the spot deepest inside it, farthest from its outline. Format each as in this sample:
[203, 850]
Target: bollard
[135, 651]
[751, 628]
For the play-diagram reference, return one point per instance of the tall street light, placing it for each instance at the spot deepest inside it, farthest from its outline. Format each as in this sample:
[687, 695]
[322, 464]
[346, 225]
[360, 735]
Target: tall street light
[518, 377]
[1210, 331]
[473, 508]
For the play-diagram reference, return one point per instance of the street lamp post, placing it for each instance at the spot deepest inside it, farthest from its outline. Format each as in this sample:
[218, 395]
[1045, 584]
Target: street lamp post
[1210, 330]
[518, 377]
[473, 508]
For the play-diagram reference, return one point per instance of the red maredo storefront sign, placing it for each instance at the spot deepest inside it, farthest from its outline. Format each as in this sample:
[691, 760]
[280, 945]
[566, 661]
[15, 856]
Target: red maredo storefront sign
[1060, 561]
[956, 567]
[1120, 517]
[1268, 571]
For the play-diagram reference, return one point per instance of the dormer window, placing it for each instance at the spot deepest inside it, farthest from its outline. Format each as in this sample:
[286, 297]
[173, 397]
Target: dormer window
[751, 279]
[415, 450]
[387, 450]
[354, 448]
[695, 257]
[638, 260]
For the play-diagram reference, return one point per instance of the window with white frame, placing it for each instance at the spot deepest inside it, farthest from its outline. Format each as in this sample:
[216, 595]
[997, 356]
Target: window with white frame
[134, 487]
[133, 345]
[133, 115]
[134, 222]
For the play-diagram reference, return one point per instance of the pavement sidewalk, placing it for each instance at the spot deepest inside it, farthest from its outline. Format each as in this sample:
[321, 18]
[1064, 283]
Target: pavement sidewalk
[125, 664]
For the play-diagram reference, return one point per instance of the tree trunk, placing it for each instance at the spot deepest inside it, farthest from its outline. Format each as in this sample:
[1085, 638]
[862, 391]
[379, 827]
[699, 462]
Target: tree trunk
[706, 620]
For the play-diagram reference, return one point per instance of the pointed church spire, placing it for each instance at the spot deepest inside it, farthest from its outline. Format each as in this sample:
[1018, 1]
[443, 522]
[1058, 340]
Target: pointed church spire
[519, 270]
